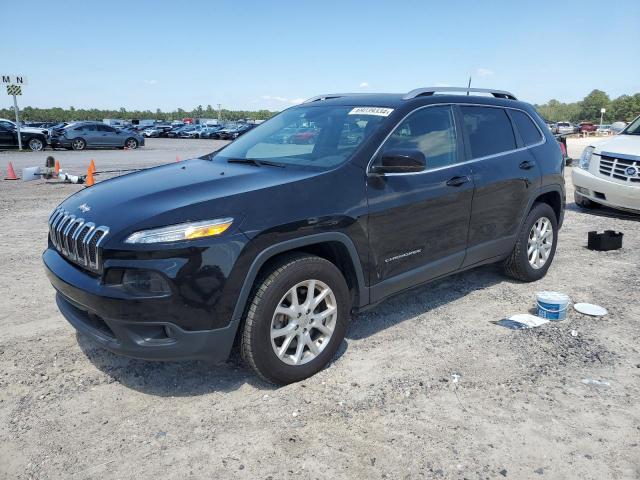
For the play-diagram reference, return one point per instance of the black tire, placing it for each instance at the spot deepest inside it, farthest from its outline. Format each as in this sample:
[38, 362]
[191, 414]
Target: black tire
[584, 202]
[131, 143]
[78, 144]
[517, 265]
[256, 344]
[36, 144]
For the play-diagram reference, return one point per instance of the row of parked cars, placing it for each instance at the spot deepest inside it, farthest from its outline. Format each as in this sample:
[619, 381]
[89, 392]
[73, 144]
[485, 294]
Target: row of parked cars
[220, 132]
[564, 128]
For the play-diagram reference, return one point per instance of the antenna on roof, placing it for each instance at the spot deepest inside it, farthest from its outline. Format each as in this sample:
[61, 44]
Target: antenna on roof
[469, 86]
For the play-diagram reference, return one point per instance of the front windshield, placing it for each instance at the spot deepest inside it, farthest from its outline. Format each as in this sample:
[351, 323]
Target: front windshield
[308, 136]
[633, 128]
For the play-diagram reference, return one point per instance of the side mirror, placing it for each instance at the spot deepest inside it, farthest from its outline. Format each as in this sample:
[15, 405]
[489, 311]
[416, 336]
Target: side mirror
[399, 160]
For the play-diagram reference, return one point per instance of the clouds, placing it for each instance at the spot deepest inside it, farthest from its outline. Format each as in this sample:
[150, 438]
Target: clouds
[364, 85]
[290, 101]
[483, 72]
[151, 82]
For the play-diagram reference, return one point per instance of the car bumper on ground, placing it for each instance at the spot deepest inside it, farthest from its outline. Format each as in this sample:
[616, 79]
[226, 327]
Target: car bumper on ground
[605, 192]
[110, 321]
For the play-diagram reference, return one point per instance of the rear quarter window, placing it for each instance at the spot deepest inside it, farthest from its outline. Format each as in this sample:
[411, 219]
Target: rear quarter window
[528, 131]
[489, 130]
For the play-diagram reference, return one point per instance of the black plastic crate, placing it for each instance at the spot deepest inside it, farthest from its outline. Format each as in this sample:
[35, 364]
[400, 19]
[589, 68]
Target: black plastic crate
[609, 240]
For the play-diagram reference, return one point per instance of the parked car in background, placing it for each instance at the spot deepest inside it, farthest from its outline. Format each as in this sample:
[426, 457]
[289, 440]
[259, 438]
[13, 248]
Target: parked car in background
[563, 128]
[151, 132]
[604, 129]
[81, 135]
[194, 132]
[175, 131]
[11, 124]
[617, 127]
[609, 172]
[304, 136]
[34, 141]
[587, 127]
[234, 132]
[209, 131]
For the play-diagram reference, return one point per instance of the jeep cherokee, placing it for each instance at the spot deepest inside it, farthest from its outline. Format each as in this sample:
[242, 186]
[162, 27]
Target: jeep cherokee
[274, 245]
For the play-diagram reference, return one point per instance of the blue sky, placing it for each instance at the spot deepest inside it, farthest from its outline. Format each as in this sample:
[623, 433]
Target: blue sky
[249, 54]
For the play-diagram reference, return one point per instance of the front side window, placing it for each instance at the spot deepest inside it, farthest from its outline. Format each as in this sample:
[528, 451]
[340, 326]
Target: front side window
[430, 130]
[633, 128]
[528, 131]
[489, 131]
[317, 136]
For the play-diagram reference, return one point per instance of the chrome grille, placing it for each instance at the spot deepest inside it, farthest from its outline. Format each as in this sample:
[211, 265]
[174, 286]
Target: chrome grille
[617, 168]
[75, 239]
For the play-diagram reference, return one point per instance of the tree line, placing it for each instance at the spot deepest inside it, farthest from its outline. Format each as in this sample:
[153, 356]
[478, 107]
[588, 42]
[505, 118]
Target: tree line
[624, 108]
[57, 114]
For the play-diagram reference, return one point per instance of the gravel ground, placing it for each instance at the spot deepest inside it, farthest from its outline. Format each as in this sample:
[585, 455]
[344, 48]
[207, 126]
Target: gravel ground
[424, 386]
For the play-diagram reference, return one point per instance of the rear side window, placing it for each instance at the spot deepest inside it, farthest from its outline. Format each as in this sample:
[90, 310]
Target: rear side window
[489, 130]
[430, 130]
[528, 131]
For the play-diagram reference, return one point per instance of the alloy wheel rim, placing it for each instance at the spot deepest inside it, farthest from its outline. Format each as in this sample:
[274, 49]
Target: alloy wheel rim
[303, 322]
[131, 143]
[78, 144]
[540, 243]
[36, 145]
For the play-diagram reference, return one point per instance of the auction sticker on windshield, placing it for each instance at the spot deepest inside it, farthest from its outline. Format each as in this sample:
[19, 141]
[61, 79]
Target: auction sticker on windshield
[379, 111]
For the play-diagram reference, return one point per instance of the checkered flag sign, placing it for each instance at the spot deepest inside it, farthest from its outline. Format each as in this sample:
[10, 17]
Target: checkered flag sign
[14, 90]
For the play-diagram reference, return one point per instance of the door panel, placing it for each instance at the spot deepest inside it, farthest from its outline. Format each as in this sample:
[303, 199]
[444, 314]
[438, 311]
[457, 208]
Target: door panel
[7, 138]
[418, 223]
[503, 182]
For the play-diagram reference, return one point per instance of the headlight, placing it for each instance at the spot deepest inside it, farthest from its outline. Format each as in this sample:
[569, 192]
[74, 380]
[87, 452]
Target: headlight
[182, 231]
[585, 158]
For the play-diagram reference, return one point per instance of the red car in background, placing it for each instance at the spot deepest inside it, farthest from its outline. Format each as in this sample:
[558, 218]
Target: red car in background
[585, 127]
[304, 136]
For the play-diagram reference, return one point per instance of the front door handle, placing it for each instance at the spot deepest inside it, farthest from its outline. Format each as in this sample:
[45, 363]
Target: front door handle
[457, 181]
[527, 165]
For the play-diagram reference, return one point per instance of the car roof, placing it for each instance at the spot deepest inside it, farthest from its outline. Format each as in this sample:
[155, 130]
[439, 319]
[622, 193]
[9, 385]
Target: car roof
[421, 96]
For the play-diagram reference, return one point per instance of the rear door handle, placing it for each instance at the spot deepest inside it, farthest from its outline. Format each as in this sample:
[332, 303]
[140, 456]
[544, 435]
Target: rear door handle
[457, 181]
[527, 165]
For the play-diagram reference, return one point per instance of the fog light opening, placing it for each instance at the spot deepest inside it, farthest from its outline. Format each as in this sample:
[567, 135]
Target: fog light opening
[145, 283]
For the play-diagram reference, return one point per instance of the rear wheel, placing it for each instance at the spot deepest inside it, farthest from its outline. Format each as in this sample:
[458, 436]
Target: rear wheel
[297, 319]
[584, 202]
[535, 246]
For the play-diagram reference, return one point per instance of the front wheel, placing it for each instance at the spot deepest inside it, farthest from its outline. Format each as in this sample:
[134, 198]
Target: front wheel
[36, 145]
[296, 320]
[535, 246]
[131, 143]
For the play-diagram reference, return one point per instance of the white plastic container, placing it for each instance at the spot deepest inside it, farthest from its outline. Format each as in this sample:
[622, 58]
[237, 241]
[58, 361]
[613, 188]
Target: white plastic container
[552, 305]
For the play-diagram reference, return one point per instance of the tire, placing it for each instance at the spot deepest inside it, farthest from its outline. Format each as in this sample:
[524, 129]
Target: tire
[528, 251]
[78, 144]
[131, 143]
[36, 144]
[293, 273]
[584, 202]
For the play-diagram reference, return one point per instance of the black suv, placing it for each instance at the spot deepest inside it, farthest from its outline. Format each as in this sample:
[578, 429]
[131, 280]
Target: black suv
[274, 245]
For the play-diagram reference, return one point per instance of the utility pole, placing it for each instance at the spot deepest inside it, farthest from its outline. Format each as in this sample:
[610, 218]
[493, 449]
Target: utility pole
[15, 107]
[219, 113]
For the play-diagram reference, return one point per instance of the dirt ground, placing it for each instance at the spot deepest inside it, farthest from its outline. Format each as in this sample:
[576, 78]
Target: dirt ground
[424, 385]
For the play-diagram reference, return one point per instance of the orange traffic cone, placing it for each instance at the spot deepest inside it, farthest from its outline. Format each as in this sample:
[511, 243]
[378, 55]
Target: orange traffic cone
[92, 166]
[11, 174]
[89, 180]
[57, 168]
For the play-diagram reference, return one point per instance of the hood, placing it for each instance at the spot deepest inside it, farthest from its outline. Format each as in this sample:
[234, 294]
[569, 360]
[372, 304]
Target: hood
[42, 131]
[620, 144]
[179, 192]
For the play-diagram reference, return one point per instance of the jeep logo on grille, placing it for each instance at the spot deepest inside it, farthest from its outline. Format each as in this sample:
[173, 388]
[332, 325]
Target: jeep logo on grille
[631, 171]
[84, 208]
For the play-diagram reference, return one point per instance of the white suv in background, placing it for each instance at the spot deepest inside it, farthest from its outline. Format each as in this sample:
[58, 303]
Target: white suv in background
[609, 172]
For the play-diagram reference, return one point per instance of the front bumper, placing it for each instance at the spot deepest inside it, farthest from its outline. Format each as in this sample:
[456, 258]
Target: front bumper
[110, 320]
[605, 192]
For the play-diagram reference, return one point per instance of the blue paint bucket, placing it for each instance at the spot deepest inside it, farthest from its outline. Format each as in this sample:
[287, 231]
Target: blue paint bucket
[552, 305]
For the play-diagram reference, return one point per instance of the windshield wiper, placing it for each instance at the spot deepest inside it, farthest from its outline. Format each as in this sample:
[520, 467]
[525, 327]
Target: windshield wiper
[255, 161]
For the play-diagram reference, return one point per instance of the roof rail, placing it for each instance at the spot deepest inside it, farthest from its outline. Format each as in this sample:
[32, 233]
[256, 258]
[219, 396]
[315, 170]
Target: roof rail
[328, 96]
[427, 91]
